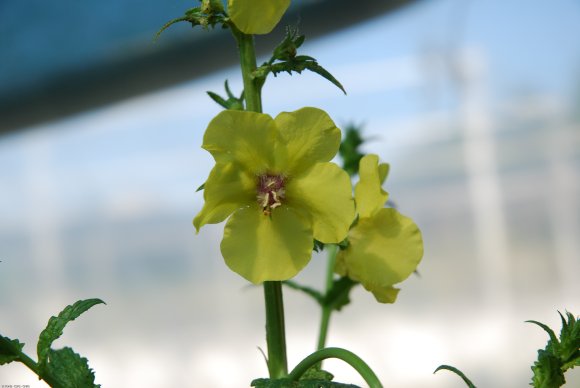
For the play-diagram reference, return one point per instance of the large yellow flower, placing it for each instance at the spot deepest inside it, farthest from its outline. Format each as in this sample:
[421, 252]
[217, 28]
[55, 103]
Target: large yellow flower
[273, 179]
[256, 16]
[385, 247]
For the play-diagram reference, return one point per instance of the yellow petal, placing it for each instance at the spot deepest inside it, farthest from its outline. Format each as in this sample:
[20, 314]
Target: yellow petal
[368, 193]
[261, 248]
[256, 16]
[309, 136]
[385, 294]
[248, 138]
[324, 192]
[383, 250]
[228, 187]
[384, 172]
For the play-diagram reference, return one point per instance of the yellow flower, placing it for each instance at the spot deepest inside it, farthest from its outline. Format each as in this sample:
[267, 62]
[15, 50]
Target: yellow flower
[385, 247]
[273, 179]
[256, 16]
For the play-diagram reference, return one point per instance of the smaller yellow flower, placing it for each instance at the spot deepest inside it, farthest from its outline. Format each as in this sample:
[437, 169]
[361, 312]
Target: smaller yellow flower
[256, 16]
[385, 247]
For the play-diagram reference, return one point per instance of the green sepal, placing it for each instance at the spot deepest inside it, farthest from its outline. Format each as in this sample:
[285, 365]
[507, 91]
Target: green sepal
[318, 246]
[288, 383]
[212, 6]
[208, 15]
[232, 102]
[200, 187]
[55, 327]
[287, 49]
[349, 149]
[71, 369]
[10, 350]
[457, 372]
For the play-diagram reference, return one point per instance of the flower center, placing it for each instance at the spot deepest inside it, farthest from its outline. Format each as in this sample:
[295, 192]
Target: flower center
[271, 192]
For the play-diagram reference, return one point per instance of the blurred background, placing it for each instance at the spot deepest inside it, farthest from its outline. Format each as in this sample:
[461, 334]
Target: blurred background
[475, 104]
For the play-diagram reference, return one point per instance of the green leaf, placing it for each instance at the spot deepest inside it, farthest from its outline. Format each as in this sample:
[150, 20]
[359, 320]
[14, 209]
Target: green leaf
[71, 369]
[457, 372]
[339, 294]
[553, 339]
[559, 355]
[349, 149]
[569, 349]
[547, 371]
[315, 373]
[316, 68]
[56, 325]
[317, 296]
[10, 350]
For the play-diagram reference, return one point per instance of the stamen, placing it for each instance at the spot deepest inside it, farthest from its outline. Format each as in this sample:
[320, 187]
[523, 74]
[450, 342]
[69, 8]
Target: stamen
[271, 192]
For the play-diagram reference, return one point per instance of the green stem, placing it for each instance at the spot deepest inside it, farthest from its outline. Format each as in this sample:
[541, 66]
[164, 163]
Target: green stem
[275, 331]
[252, 90]
[28, 362]
[347, 356]
[326, 309]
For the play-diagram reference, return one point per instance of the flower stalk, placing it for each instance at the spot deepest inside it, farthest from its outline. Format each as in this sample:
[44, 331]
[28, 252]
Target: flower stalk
[327, 309]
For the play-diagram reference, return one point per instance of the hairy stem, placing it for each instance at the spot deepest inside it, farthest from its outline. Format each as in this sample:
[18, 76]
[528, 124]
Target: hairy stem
[29, 362]
[327, 310]
[275, 330]
[252, 90]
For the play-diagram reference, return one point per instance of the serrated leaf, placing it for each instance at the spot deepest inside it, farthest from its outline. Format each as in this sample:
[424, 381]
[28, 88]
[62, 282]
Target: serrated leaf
[547, 371]
[315, 373]
[457, 372]
[72, 370]
[56, 325]
[316, 68]
[569, 348]
[547, 329]
[571, 364]
[10, 350]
